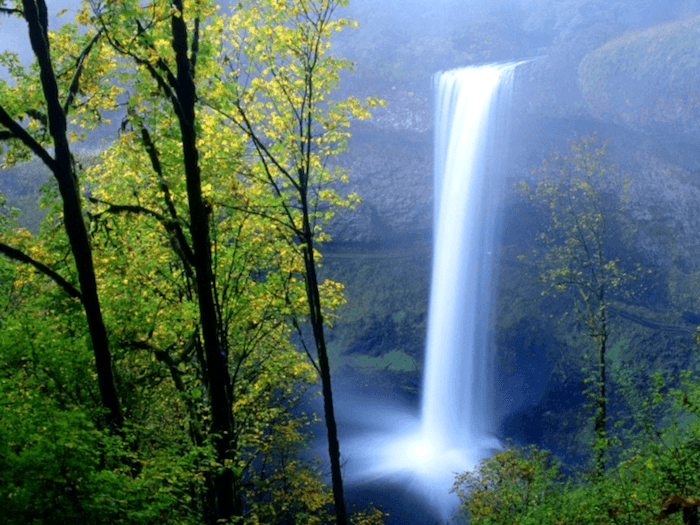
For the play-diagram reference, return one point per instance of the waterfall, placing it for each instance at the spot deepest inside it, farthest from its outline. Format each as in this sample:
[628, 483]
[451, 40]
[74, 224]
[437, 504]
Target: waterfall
[455, 428]
[469, 131]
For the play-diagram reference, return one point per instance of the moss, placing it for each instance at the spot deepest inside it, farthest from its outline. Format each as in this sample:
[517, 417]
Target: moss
[387, 295]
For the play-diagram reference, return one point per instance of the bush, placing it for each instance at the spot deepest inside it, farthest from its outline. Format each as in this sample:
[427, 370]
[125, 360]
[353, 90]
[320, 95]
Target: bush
[508, 485]
[656, 479]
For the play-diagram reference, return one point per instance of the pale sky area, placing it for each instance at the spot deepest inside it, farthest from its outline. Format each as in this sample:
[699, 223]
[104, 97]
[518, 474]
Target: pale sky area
[13, 30]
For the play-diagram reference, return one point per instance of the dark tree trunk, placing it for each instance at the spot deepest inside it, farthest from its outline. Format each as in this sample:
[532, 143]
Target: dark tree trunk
[690, 516]
[35, 13]
[217, 360]
[316, 319]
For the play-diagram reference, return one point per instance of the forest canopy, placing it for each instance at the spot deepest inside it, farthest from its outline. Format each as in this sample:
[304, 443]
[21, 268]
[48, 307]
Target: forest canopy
[150, 368]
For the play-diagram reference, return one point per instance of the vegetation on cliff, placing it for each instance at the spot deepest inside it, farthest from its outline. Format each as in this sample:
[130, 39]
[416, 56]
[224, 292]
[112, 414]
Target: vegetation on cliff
[645, 76]
[637, 418]
[655, 479]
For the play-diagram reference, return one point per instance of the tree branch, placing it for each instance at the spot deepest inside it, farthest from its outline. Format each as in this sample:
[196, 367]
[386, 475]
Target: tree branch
[178, 241]
[75, 84]
[175, 220]
[126, 208]
[18, 255]
[17, 131]
[11, 11]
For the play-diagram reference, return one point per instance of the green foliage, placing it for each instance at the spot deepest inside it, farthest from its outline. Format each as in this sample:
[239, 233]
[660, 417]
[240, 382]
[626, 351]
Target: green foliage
[394, 360]
[506, 485]
[57, 466]
[652, 483]
[165, 464]
[584, 196]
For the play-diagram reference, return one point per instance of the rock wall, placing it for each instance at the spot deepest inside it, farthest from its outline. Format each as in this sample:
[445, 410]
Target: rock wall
[392, 172]
[647, 80]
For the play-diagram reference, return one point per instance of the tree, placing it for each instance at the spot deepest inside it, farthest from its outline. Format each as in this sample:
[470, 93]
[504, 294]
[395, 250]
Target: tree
[507, 486]
[278, 91]
[134, 33]
[278, 68]
[584, 194]
[34, 122]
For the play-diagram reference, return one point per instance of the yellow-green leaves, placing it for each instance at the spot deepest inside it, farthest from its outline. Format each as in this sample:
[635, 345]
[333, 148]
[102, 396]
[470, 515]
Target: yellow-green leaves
[262, 123]
[278, 83]
[584, 195]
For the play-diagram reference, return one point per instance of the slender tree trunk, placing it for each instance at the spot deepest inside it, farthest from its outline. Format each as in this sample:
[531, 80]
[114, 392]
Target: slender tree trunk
[314, 296]
[601, 401]
[316, 317]
[217, 360]
[35, 13]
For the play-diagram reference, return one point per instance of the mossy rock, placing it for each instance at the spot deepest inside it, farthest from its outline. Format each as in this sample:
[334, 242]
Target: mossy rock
[647, 79]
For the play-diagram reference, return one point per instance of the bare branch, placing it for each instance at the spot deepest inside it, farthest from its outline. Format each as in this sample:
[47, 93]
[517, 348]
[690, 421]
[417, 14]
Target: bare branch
[9, 11]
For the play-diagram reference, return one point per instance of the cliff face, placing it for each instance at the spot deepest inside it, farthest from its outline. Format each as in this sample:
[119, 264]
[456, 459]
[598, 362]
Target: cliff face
[641, 90]
[647, 80]
[391, 170]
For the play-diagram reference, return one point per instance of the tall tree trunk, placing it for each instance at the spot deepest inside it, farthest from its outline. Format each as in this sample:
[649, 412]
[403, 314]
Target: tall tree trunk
[217, 360]
[316, 318]
[36, 15]
[601, 402]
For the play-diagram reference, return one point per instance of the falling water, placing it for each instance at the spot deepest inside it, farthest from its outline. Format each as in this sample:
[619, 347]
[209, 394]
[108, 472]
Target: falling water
[456, 402]
[455, 428]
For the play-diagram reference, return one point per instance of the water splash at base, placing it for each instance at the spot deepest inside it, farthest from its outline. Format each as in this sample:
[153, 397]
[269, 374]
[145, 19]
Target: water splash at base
[398, 452]
[455, 428]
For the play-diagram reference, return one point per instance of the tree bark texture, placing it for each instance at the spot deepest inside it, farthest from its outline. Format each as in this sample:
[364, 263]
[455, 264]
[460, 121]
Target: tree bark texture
[35, 13]
[217, 360]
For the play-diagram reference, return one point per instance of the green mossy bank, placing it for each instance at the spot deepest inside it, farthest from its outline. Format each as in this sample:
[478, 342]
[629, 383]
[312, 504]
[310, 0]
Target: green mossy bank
[646, 78]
